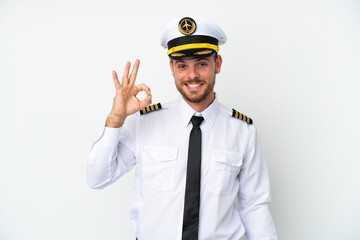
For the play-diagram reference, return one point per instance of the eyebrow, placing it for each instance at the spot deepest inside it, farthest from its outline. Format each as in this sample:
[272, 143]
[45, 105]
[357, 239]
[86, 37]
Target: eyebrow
[196, 59]
[179, 61]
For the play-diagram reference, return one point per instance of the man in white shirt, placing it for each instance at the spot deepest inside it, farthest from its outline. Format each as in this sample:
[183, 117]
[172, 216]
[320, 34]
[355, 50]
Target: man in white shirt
[207, 181]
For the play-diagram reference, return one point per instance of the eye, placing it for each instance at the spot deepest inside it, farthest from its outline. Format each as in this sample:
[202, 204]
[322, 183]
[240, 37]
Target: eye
[203, 64]
[181, 66]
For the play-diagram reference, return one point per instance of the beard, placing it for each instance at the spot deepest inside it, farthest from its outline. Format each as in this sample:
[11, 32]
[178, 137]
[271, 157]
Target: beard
[198, 96]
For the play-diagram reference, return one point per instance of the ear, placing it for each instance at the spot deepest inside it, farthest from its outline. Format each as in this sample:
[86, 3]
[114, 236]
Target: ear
[171, 67]
[218, 64]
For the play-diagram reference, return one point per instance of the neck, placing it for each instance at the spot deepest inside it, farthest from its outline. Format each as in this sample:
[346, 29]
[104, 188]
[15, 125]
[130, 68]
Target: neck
[201, 106]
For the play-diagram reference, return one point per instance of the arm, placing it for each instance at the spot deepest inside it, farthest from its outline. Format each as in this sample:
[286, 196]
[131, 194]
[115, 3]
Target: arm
[113, 154]
[254, 193]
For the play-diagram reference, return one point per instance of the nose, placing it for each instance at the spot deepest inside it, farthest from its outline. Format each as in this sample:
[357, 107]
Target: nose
[192, 73]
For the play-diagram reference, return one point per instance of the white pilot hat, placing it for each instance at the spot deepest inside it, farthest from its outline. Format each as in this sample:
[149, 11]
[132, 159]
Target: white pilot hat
[192, 37]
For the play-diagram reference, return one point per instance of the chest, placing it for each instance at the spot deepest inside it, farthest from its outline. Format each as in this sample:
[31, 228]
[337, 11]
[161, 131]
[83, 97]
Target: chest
[164, 147]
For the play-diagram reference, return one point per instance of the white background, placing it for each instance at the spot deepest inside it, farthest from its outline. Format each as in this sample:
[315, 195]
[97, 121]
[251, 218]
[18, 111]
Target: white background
[293, 66]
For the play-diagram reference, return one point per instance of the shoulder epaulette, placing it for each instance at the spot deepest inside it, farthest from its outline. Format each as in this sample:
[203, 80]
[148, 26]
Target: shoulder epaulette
[150, 108]
[241, 116]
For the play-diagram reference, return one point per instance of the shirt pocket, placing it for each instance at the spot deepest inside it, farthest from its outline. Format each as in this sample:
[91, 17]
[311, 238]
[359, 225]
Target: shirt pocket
[224, 169]
[159, 167]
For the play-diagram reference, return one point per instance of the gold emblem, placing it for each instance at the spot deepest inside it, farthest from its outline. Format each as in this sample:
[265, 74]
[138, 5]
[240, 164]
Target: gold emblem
[177, 54]
[203, 52]
[187, 26]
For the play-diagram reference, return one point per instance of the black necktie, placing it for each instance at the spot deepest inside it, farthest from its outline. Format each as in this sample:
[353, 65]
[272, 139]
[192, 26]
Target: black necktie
[192, 190]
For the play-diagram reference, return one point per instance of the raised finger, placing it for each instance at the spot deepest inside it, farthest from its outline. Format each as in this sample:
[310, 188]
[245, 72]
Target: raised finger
[134, 71]
[116, 80]
[125, 78]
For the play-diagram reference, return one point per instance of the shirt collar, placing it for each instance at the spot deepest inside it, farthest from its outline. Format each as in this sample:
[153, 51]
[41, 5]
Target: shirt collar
[209, 114]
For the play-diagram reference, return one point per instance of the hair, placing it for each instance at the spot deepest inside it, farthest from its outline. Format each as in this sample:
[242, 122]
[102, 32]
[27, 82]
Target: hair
[215, 56]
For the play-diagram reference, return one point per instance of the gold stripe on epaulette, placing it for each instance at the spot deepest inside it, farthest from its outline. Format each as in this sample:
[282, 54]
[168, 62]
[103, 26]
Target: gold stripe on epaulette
[241, 116]
[150, 108]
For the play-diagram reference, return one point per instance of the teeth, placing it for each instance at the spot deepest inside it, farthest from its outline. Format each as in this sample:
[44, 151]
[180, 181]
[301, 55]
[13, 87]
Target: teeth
[193, 85]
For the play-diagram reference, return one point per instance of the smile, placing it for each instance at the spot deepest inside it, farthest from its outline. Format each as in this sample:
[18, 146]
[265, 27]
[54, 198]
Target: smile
[193, 85]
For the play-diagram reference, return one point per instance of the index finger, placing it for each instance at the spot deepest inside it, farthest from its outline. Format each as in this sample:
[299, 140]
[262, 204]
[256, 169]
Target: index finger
[134, 72]
[125, 77]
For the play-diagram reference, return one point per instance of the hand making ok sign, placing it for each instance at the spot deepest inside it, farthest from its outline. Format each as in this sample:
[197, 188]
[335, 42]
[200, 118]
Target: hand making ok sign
[125, 101]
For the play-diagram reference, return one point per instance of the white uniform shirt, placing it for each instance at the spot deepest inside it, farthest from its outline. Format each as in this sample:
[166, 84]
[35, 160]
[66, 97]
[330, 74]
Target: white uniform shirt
[232, 169]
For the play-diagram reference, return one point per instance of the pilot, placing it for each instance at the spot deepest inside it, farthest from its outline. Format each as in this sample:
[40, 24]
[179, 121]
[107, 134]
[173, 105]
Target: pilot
[200, 172]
